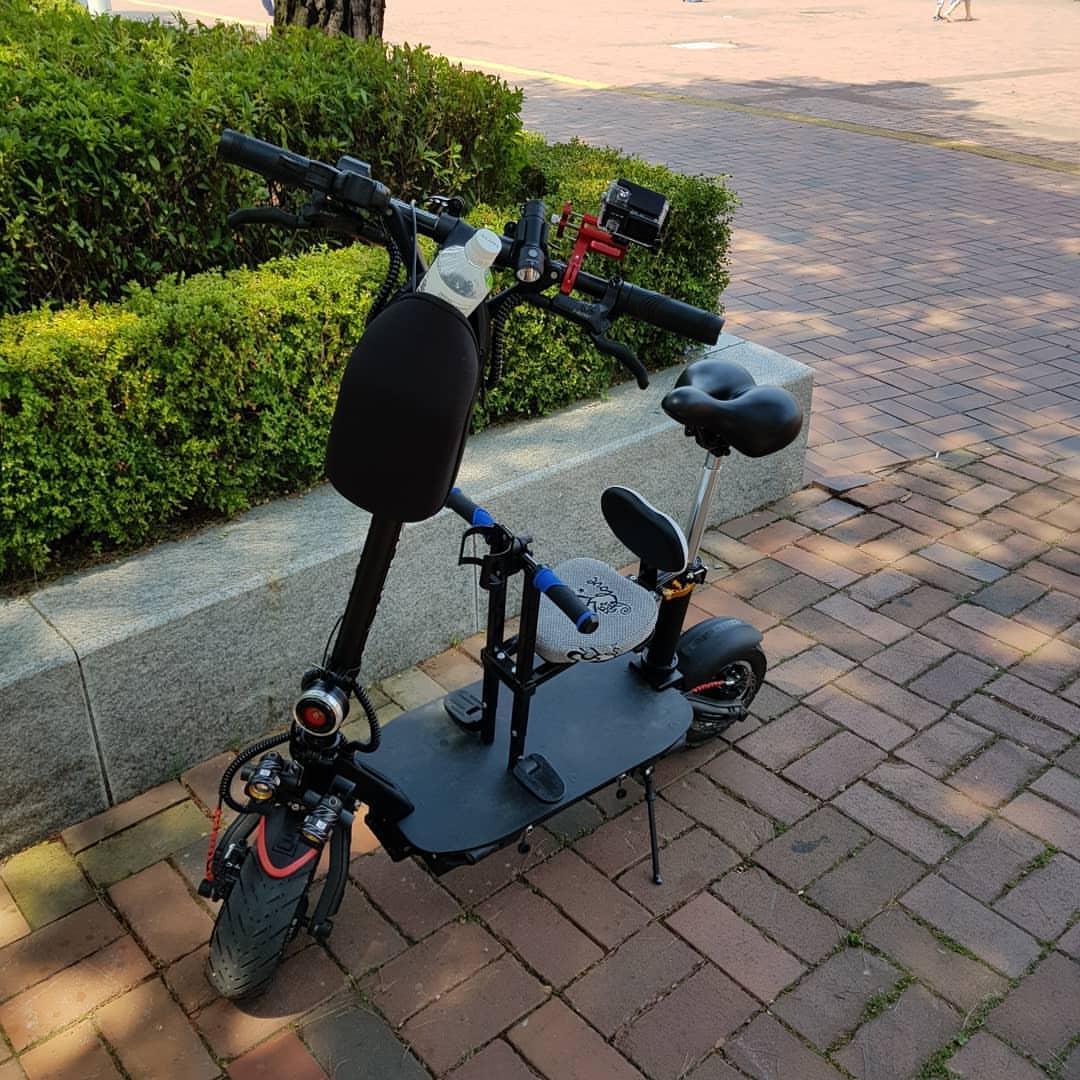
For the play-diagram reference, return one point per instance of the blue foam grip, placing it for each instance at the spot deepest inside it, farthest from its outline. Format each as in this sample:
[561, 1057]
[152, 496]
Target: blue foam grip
[482, 517]
[546, 578]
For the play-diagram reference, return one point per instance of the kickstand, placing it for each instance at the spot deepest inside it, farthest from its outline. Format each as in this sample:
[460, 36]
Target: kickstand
[650, 803]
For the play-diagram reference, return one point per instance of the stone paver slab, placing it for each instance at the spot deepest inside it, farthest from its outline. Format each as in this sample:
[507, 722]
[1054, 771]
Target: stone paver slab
[1043, 1013]
[990, 937]
[857, 716]
[1047, 821]
[759, 787]
[940, 747]
[45, 882]
[119, 817]
[834, 764]
[830, 1000]
[985, 1058]
[356, 1042]
[1044, 901]
[938, 801]
[895, 1043]
[811, 847]
[766, 1050]
[889, 819]
[861, 886]
[781, 741]
[956, 977]
[993, 857]
[739, 950]
[997, 773]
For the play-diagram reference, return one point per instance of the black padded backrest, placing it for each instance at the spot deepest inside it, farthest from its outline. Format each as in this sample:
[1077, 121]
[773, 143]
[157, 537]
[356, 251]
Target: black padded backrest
[403, 409]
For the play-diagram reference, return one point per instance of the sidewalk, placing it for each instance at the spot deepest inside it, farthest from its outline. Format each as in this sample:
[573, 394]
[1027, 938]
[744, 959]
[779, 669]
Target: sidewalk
[877, 874]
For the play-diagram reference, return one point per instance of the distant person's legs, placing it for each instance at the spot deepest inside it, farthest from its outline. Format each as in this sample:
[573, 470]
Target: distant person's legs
[952, 7]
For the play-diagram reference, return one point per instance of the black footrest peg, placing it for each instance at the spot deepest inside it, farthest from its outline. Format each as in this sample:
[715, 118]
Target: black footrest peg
[537, 775]
[465, 708]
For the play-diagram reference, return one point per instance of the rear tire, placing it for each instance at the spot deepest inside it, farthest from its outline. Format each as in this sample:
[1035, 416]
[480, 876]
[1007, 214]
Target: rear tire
[739, 681]
[258, 919]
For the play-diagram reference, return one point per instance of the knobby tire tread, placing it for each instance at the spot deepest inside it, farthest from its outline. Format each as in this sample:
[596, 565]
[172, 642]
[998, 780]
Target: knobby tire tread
[252, 930]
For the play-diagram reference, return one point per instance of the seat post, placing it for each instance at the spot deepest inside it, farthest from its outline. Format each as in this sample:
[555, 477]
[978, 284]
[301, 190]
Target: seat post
[699, 516]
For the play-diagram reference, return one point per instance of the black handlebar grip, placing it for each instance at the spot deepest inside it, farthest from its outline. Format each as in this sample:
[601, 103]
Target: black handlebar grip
[566, 600]
[273, 162]
[464, 507]
[667, 314]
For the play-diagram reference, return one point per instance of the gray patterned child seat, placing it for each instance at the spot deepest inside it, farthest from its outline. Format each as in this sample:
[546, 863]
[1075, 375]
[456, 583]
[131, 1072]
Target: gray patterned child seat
[627, 615]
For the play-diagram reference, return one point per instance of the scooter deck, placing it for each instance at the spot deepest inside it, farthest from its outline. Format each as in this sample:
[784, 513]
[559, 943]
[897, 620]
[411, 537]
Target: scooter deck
[593, 723]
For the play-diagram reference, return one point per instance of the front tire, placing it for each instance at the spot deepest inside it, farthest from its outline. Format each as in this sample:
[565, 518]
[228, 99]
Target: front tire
[258, 919]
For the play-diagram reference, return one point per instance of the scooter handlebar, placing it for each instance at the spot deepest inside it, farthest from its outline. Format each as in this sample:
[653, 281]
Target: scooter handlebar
[566, 600]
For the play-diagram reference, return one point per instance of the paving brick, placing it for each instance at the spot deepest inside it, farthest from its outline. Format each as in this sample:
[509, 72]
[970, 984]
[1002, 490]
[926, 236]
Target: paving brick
[871, 623]
[895, 823]
[876, 494]
[941, 746]
[919, 606]
[204, 780]
[285, 1055]
[1009, 595]
[549, 943]
[636, 974]
[781, 741]
[907, 658]
[1070, 1069]
[747, 523]
[1044, 901]
[827, 631]
[715, 601]
[411, 688]
[758, 786]
[895, 1043]
[827, 513]
[807, 932]
[963, 639]
[735, 946]
[45, 882]
[781, 642]
[559, 1043]
[834, 764]
[408, 896]
[76, 990]
[577, 820]
[425, 972]
[12, 924]
[599, 907]
[816, 567]
[1050, 667]
[472, 1013]
[75, 1053]
[969, 565]
[1014, 725]
[991, 859]
[766, 1050]
[1053, 577]
[186, 980]
[924, 793]
[152, 839]
[866, 721]
[875, 590]
[362, 938]
[1061, 787]
[861, 886]
[120, 817]
[912, 519]
[983, 1057]
[161, 911]
[961, 980]
[684, 1026]
[853, 558]
[940, 576]
[989, 936]
[886, 695]
[303, 982]
[687, 865]
[715, 1068]
[809, 670]
[768, 704]
[471, 884]
[354, 1042]
[728, 550]
[954, 679]
[811, 847]
[1071, 760]
[1052, 613]
[54, 947]
[452, 669]
[1038, 703]
[996, 773]
[152, 1036]
[495, 1060]
[830, 1001]
[1045, 820]
[621, 842]
[754, 579]
[1043, 1013]
[1015, 551]
[744, 829]
[1041, 530]
[775, 536]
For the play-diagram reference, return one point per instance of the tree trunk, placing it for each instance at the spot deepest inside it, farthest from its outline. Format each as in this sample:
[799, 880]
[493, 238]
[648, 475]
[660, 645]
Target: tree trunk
[357, 18]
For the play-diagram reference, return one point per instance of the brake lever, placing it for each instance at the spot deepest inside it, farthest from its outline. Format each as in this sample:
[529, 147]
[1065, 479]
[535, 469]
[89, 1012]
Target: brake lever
[626, 356]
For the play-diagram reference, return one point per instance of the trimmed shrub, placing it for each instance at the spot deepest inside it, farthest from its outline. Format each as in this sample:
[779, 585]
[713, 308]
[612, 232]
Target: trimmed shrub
[108, 167]
[209, 394]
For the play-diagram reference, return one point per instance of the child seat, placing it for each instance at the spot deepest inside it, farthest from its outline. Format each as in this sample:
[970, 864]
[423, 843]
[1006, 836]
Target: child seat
[627, 611]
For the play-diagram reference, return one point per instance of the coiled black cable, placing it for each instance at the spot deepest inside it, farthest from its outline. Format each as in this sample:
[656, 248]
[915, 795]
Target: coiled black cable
[389, 285]
[241, 759]
[498, 338]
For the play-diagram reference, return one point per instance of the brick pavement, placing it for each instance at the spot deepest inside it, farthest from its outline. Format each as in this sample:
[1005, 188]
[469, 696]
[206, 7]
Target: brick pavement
[876, 875]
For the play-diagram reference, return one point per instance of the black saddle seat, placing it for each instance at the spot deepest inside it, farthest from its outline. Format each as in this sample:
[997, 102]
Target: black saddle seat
[718, 402]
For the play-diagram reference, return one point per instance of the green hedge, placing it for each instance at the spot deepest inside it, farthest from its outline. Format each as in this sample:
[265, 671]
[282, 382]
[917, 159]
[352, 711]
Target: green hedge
[108, 169]
[209, 394]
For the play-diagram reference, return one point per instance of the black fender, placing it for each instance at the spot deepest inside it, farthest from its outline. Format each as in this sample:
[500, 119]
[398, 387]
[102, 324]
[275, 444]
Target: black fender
[711, 645]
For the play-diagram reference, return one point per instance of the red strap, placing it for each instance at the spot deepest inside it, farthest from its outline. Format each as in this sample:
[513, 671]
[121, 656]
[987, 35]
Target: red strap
[215, 825]
[264, 857]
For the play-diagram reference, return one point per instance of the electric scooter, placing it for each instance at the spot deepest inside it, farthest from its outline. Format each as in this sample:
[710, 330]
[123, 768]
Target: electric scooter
[600, 679]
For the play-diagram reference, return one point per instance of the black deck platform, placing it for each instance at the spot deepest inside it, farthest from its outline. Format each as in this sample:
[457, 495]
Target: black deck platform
[593, 723]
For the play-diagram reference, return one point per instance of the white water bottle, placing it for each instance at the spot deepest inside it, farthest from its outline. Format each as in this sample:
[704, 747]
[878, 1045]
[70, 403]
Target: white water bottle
[461, 275]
